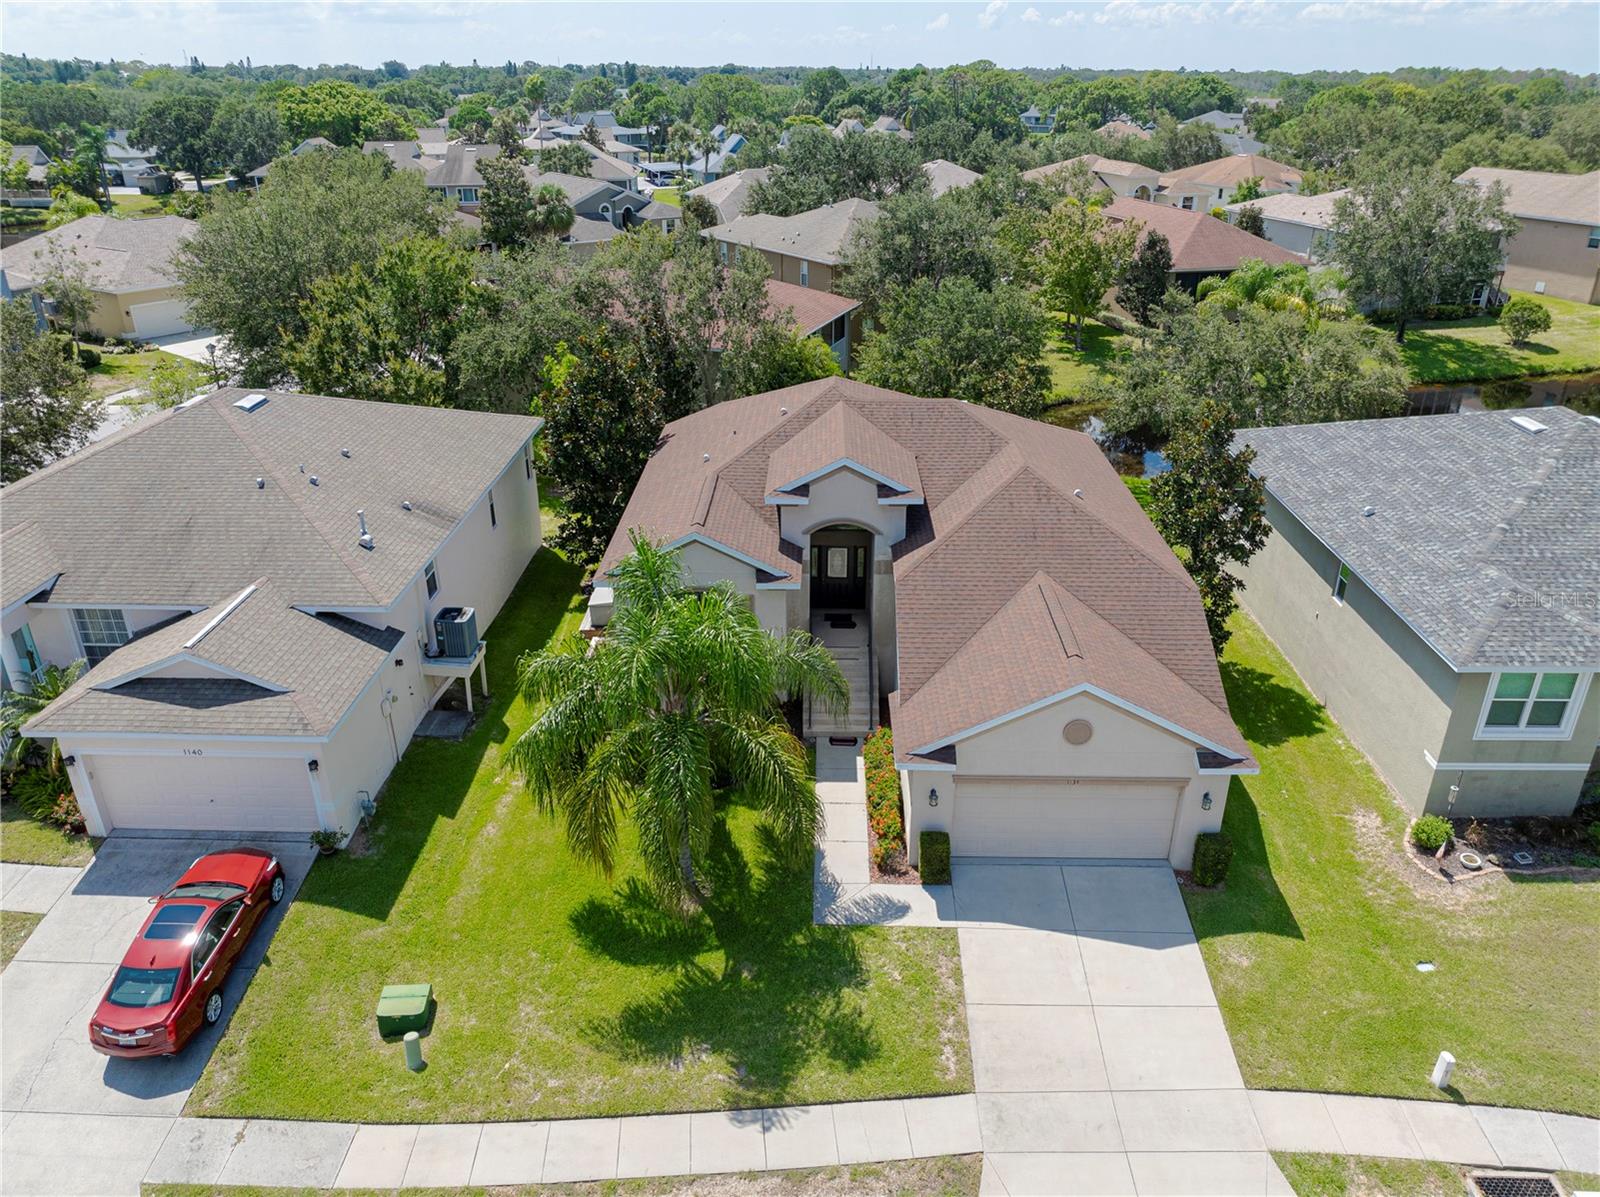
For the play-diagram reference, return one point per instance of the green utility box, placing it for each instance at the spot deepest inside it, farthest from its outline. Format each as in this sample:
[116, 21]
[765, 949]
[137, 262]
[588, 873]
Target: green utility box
[403, 1008]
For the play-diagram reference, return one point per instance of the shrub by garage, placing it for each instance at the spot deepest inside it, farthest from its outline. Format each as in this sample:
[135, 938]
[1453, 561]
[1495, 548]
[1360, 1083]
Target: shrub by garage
[1213, 853]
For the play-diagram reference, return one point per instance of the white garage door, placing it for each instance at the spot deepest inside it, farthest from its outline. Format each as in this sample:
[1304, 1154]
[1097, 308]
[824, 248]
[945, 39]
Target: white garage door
[160, 319]
[1000, 817]
[204, 793]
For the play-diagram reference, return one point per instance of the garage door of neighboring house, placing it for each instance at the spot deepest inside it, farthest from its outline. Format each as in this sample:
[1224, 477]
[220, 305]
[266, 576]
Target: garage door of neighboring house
[160, 319]
[998, 816]
[203, 793]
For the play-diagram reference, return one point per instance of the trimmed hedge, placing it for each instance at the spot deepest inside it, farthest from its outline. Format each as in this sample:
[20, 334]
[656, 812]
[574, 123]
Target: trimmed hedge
[1213, 853]
[935, 849]
[883, 798]
[1431, 832]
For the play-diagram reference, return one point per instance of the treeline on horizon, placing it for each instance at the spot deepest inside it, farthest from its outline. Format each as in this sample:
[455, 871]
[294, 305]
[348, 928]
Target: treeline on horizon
[239, 115]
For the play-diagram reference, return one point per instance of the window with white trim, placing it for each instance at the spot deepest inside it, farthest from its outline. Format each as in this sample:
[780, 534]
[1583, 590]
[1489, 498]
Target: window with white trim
[101, 630]
[805, 273]
[1536, 703]
[1341, 583]
[469, 195]
[430, 577]
[1188, 203]
[1594, 238]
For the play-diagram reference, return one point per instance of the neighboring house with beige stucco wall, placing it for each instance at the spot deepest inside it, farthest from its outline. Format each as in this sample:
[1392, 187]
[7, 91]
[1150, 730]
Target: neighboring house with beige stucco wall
[989, 582]
[127, 264]
[1557, 249]
[1452, 629]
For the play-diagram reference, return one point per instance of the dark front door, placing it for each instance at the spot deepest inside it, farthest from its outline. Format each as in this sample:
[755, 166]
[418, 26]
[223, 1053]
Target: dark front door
[839, 577]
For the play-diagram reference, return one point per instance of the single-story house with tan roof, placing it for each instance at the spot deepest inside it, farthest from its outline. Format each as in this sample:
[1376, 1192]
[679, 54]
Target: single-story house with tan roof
[807, 248]
[1042, 655]
[127, 264]
[273, 606]
[1557, 250]
[1202, 245]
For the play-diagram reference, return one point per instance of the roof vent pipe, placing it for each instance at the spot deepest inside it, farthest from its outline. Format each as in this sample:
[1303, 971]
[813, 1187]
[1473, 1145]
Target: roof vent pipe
[366, 537]
[261, 484]
[314, 480]
[705, 457]
[1369, 510]
[1078, 494]
[344, 452]
[405, 504]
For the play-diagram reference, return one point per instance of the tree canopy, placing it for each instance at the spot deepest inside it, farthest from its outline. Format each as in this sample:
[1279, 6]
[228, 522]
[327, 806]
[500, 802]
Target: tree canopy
[47, 405]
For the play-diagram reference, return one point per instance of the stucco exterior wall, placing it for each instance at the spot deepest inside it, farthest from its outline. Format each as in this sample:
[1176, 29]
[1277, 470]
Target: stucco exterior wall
[112, 315]
[357, 760]
[1392, 694]
[1286, 234]
[1558, 255]
[1123, 749]
[785, 267]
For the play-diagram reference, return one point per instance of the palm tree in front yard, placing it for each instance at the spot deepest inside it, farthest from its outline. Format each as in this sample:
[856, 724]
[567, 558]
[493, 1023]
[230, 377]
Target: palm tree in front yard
[681, 691]
[16, 708]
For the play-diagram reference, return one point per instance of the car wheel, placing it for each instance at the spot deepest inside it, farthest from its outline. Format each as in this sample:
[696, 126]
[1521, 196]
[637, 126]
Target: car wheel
[213, 1008]
[277, 888]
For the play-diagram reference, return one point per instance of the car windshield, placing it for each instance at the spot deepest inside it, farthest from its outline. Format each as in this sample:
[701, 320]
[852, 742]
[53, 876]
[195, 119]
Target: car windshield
[141, 988]
[217, 891]
[174, 922]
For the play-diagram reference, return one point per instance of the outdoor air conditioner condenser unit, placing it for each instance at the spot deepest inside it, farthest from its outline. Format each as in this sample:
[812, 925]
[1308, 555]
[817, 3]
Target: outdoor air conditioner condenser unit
[455, 629]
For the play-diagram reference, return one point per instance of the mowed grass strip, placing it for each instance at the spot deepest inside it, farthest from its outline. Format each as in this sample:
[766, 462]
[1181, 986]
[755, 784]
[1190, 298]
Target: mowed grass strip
[1479, 350]
[561, 993]
[30, 841]
[1313, 944]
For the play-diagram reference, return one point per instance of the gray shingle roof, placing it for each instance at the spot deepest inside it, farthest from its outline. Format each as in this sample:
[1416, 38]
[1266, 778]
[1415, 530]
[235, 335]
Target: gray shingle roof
[168, 512]
[819, 235]
[268, 670]
[946, 176]
[728, 194]
[460, 165]
[117, 254]
[1542, 194]
[30, 562]
[1483, 538]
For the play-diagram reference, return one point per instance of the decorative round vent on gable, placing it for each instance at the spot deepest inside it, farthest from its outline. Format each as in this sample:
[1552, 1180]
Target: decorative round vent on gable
[1079, 731]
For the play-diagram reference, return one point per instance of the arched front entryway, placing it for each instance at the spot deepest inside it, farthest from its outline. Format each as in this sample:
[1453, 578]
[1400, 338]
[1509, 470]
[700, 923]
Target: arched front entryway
[1141, 192]
[840, 568]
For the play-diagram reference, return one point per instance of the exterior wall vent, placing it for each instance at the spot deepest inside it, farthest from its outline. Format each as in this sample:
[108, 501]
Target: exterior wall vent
[250, 402]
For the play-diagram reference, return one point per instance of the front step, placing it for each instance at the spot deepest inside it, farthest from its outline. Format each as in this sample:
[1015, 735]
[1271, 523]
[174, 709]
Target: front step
[855, 663]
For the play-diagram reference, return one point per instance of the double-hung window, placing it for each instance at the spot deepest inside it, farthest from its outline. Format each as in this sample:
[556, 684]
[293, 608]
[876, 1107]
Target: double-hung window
[1531, 704]
[805, 273]
[101, 630]
[430, 575]
[469, 195]
[1594, 238]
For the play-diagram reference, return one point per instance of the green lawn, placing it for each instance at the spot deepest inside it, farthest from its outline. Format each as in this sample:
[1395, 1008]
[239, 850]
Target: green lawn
[136, 205]
[562, 993]
[28, 841]
[668, 195]
[15, 927]
[1312, 946]
[1071, 370]
[1476, 350]
[120, 371]
[939, 1176]
[1313, 1175]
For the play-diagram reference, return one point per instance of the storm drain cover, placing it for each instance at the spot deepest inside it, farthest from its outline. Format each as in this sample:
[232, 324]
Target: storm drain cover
[1516, 1186]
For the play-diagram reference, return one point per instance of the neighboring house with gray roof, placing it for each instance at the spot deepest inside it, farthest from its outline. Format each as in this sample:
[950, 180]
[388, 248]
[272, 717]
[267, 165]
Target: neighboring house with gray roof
[729, 193]
[1300, 224]
[127, 264]
[946, 176]
[259, 615]
[1557, 248]
[1231, 131]
[456, 176]
[1436, 582]
[1043, 655]
[807, 248]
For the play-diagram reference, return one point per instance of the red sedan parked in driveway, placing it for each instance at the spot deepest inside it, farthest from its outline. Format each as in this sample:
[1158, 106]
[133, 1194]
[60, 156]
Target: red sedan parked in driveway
[170, 980]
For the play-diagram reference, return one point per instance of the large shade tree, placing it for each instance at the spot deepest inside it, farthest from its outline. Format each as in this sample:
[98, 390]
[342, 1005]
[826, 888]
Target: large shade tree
[47, 408]
[680, 692]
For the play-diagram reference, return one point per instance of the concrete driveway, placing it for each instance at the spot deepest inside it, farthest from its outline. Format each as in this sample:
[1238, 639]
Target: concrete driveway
[192, 345]
[1099, 1055]
[77, 1121]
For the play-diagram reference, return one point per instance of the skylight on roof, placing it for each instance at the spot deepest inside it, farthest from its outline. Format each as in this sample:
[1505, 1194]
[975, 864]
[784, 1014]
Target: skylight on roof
[1528, 424]
[250, 402]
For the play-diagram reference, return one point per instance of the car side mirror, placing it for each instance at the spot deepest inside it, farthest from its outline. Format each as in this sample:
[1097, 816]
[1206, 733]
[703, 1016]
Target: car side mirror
[154, 899]
[249, 901]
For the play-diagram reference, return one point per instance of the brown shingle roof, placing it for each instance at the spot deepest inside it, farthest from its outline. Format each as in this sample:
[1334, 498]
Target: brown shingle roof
[1022, 522]
[1199, 240]
[813, 310]
[838, 435]
[1097, 164]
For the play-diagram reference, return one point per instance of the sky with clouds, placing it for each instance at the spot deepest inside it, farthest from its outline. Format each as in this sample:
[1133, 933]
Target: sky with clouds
[1198, 34]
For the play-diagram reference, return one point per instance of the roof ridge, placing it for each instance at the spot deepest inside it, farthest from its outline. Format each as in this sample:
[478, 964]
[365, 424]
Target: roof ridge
[235, 424]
